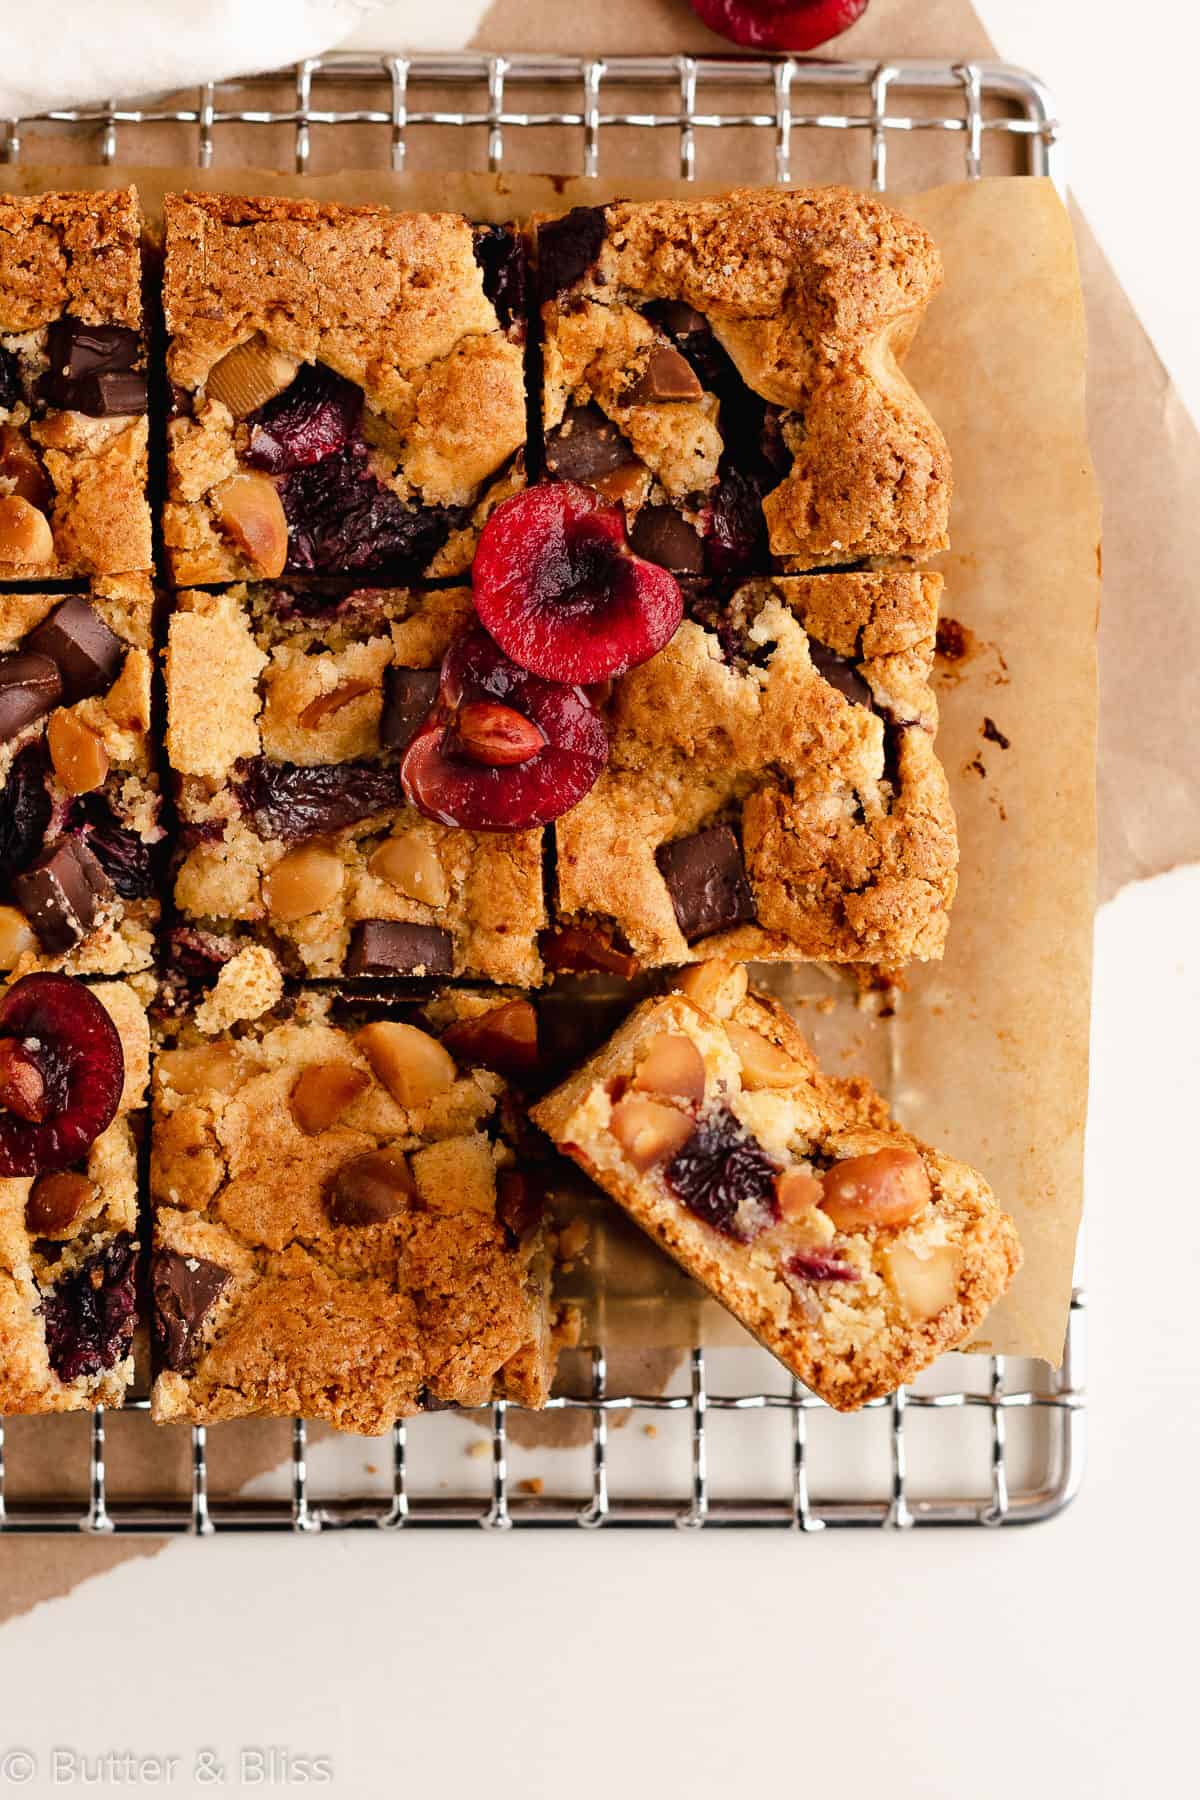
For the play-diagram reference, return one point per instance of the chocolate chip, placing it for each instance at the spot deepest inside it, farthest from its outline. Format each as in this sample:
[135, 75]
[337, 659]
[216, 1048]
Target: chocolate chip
[706, 880]
[568, 247]
[585, 446]
[102, 396]
[840, 673]
[677, 318]
[83, 358]
[666, 376]
[392, 947]
[185, 1289]
[662, 535]
[60, 893]
[408, 697]
[88, 654]
[30, 686]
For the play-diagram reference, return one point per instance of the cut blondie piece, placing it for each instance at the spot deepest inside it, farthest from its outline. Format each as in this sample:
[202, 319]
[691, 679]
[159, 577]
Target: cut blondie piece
[772, 791]
[73, 426]
[295, 823]
[79, 799]
[348, 387]
[729, 370]
[851, 1251]
[68, 1190]
[340, 1228]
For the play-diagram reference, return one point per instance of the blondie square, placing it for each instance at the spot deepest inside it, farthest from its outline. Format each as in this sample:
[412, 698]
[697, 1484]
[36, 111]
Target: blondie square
[347, 385]
[854, 1253]
[69, 1230]
[295, 825]
[729, 370]
[772, 790]
[73, 425]
[79, 799]
[341, 1229]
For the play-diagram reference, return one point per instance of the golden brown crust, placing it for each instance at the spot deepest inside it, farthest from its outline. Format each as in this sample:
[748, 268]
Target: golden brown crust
[489, 884]
[848, 857]
[849, 1340]
[31, 1268]
[355, 1324]
[393, 302]
[815, 295]
[75, 253]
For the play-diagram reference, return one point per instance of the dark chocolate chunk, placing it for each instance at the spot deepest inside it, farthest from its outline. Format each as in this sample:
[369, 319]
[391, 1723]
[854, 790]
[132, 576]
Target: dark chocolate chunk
[11, 391]
[61, 893]
[371, 1189]
[392, 947]
[81, 356]
[662, 535]
[567, 248]
[677, 318]
[30, 687]
[500, 253]
[185, 1290]
[666, 376]
[585, 446]
[88, 654]
[119, 391]
[840, 673]
[706, 880]
[408, 697]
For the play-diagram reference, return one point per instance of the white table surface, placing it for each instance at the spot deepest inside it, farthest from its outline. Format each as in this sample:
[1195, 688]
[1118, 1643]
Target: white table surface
[1039, 1663]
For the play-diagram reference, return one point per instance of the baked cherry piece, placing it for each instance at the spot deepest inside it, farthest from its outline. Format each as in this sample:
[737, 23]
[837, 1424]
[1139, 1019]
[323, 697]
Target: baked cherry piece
[503, 750]
[779, 24]
[561, 592]
[61, 1073]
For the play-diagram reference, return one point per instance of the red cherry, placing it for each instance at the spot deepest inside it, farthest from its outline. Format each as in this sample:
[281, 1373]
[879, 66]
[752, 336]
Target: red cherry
[61, 1073]
[561, 592]
[461, 767]
[779, 24]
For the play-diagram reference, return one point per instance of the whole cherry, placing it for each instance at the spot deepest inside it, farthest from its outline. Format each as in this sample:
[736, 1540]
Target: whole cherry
[779, 24]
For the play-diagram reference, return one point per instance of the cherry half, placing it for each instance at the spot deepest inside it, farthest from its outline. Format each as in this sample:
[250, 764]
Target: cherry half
[503, 750]
[62, 1070]
[561, 592]
[779, 24]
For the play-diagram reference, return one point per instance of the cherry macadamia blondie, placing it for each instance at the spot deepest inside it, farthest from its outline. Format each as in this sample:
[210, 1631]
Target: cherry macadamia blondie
[340, 1228]
[79, 801]
[772, 789]
[73, 426]
[853, 1252]
[74, 1062]
[295, 824]
[347, 383]
[728, 369]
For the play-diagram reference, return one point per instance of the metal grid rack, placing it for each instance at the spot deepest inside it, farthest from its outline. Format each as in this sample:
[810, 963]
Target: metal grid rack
[781, 99]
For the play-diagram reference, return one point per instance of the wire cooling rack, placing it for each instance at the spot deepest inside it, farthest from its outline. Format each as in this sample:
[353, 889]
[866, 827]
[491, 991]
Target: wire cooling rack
[979, 1441]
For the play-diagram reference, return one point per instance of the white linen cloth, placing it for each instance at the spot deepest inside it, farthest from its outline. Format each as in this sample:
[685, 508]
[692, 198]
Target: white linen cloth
[56, 53]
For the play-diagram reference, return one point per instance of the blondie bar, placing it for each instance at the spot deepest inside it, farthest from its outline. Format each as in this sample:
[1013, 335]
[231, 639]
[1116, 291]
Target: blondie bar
[340, 1228]
[73, 425]
[74, 1062]
[853, 1252]
[79, 801]
[772, 790]
[728, 369]
[347, 385]
[296, 827]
